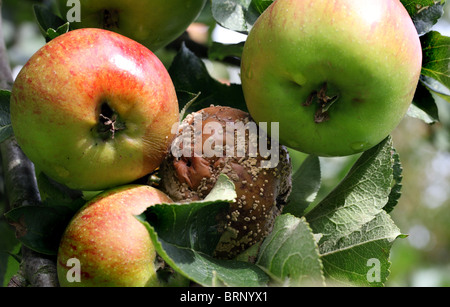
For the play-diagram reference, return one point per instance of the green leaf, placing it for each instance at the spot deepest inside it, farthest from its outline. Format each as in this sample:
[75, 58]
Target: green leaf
[49, 23]
[218, 51]
[223, 190]
[424, 13]
[424, 106]
[261, 5]
[395, 194]
[52, 33]
[190, 224]
[40, 227]
[12, 265]
[190, 76]
[8, 246]
[184, 224]
[297, 159]
[6, 130]
[363, 193]
[236, 15]
[290, 254]
[206, 270]
[362, 258]
[185, 236]
[435, 87]
[305, 185]
[54, 194]
[436, 59]
[351, 218]
[415, 6]
[186, 107]
[250, 254]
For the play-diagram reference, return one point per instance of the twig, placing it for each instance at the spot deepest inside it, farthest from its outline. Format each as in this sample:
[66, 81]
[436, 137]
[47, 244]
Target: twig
[21, 189]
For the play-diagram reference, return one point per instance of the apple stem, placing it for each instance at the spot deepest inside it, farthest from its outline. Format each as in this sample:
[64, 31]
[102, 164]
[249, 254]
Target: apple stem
[110, 19]
[109, 123]
[324, 103]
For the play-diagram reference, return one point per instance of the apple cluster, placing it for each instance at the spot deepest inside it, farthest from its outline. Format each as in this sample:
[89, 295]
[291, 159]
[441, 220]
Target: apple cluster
[95, 110]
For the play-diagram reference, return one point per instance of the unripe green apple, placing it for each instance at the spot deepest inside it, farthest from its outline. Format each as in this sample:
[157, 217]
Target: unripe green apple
[107, 244]
[338, 75]
[153, 23]
[94, 109]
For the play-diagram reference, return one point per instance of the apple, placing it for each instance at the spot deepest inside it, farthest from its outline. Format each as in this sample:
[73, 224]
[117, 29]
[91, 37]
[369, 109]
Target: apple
[338, 75]
[106, 245]
[154, 23]
[261, 191]
[94, 109]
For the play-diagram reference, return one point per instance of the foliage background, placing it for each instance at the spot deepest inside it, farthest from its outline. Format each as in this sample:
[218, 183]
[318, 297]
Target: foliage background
[423, 212]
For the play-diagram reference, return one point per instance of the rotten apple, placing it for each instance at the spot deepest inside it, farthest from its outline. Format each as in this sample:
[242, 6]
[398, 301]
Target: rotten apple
[223, 140]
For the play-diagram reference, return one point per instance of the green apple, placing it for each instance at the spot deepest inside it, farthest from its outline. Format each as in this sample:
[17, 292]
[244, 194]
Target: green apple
[106, 245]
[153, 23]
[338, 75]
[94, 109]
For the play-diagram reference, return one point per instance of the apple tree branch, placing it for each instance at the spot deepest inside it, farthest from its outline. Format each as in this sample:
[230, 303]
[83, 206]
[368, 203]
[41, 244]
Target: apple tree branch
[21, 189]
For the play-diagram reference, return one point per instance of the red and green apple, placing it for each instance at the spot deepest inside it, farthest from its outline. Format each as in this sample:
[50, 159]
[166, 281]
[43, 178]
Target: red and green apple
[110, 245]
[93, 109]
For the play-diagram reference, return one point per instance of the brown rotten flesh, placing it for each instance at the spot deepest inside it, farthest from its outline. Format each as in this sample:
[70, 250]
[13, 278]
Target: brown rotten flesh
[261, 191]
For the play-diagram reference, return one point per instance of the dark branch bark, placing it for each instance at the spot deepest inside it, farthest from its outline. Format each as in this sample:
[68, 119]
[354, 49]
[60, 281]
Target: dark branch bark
[21, 189]
[20, 182]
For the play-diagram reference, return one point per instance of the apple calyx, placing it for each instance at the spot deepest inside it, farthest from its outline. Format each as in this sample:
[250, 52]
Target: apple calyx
[110, 18]
[109, 123]
[324, 103]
